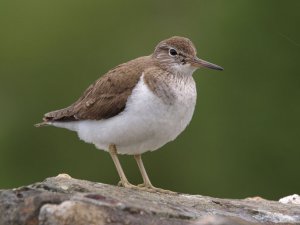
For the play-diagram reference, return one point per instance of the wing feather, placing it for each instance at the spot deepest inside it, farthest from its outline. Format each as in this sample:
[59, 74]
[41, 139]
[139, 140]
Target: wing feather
[106, 97]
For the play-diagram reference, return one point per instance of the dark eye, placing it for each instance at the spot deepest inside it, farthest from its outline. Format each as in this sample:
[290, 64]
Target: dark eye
[172, 52]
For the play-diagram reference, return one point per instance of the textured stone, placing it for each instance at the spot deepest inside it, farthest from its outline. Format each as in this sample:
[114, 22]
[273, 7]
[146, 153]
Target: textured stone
[64, 200]
[291, 199]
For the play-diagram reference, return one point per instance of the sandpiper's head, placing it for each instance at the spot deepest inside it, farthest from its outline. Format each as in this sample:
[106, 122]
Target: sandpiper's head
[179, 55]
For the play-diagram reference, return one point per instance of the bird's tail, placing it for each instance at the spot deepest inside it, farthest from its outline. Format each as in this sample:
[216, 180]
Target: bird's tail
[42, 124]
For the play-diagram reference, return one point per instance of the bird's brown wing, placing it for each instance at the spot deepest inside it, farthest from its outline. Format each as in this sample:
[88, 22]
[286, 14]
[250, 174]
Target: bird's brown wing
[105, 98]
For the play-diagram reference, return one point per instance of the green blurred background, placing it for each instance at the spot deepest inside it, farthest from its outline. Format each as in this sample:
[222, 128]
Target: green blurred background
[244, 137]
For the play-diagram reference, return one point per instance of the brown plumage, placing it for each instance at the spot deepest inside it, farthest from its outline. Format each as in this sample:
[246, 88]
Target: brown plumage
[106, 97]
[183, 45]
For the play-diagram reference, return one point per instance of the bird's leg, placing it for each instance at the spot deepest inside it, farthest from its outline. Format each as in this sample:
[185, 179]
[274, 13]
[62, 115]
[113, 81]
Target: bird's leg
[113, 153]
[147, 183]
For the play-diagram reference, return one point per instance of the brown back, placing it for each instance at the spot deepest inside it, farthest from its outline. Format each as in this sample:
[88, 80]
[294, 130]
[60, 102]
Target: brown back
[107, 96]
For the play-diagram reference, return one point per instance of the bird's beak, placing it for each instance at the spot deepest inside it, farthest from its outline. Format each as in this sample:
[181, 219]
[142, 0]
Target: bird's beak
[196, 62]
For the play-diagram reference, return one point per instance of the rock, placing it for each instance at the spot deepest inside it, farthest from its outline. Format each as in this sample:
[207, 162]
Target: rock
[63, 200]
[293, 199]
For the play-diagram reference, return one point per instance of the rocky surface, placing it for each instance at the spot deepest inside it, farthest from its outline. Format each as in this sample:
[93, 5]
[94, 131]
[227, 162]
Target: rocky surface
[64, 200]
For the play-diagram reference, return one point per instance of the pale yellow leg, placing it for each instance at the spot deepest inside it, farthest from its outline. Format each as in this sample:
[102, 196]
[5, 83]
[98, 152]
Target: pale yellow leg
[113, 153]
[147, 183]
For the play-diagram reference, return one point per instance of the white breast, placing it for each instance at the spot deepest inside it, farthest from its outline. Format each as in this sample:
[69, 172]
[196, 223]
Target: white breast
[147, 123]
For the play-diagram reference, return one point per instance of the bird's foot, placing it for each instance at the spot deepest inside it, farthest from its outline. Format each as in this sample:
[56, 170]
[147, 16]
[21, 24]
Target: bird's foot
[126, 184]
[145, 187]
[151, 188]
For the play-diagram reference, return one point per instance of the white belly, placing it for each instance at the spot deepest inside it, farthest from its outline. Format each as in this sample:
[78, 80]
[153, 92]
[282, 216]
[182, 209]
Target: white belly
[147, 123]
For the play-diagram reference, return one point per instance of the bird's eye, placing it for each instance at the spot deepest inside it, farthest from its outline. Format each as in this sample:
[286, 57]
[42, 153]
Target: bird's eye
[172, 52]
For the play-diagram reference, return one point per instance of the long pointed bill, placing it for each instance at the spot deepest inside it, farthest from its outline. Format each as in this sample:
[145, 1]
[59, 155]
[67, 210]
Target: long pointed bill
[196, 62]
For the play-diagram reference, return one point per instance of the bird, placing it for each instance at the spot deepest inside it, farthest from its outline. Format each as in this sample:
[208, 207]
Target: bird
[137, 106]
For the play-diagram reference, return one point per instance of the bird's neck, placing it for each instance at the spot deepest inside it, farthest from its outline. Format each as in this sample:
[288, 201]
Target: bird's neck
[165, 82]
